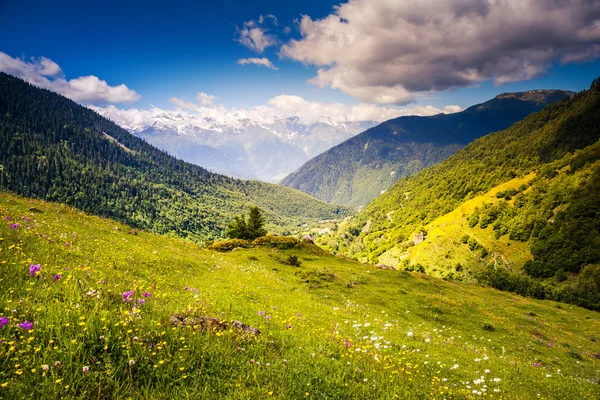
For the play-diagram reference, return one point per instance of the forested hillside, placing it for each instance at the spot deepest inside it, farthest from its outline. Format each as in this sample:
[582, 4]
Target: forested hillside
[54, 149]
[544, 219]
[359, 169]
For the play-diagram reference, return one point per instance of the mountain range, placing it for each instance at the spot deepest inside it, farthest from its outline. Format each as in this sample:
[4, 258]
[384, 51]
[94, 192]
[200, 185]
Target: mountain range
[237, 145]
[356, 171]
[58, 150]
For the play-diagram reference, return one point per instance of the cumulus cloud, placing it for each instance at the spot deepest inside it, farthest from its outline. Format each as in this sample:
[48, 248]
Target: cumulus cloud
[257, 61]
[284, 106]
[45, 73]
[255, 36]
[386, 51]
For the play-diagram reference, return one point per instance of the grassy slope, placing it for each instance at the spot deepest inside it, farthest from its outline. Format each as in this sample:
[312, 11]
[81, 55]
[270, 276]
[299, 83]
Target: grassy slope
[538, 349]
[442, 251]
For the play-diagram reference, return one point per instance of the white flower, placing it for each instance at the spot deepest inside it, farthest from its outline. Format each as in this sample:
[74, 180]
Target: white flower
[455, 366]
[487, 371]
[45, 367]
[85, 369]
[409, 334]
[131, 362]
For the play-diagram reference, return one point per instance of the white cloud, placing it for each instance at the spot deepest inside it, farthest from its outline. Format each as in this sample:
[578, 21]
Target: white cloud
[255, 39]
[386, 51]
[205, 100]
[257, 61]
[204, 116]
[255, 36]
[45, 73]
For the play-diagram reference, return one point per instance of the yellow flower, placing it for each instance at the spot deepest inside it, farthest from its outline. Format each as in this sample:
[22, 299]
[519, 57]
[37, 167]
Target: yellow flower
[5, 384]
[58, 381]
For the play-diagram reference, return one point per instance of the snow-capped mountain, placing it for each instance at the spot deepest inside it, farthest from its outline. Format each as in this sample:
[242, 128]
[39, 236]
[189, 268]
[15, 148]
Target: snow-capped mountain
[241, 145]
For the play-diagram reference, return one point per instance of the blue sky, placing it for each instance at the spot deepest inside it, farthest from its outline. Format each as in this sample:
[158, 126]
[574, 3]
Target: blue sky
[176, 49]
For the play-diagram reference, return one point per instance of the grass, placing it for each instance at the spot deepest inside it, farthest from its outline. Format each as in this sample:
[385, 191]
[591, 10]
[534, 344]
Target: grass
[330, 328]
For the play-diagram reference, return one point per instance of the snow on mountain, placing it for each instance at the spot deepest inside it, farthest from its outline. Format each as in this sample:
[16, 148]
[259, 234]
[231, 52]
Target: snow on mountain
[248, 146]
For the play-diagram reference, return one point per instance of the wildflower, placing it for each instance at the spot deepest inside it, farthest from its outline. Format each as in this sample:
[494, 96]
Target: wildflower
[347, 343]
[57, 277]
[141, 301]
[261, 313]
[4, 321]
[57, 364]
[455, 366]
[252, 361]
[536, 364]
[34, 269]
[45, 367]
[127, 296]
[101, 337]
[26, 325]
[409, 334]
[14, 226]
[288, 327]
[298, 315]
[85, 369]
[146, 294]
[268, 364]
[7, 218]
[131, 362]
[135, 339]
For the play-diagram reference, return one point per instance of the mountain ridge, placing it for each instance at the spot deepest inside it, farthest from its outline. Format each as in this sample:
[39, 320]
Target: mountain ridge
[356, 171]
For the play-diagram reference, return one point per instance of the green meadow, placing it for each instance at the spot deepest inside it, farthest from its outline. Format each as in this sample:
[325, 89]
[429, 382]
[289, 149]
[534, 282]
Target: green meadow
[96, 321]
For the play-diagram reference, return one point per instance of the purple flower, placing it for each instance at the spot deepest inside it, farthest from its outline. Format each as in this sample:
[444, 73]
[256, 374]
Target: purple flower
[26, 219]
[146, 294]
[298, 315]
[536, 364]
[141, 301]
[34, 269]
[26, 325]
[7, 218]
[347, 343]
[14, 226]
[57, 277]
[4, 321]
[550, 344]
[128, 296]
[261, 313]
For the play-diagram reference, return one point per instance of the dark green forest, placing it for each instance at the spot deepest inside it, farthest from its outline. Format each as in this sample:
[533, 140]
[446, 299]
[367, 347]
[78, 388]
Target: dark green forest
[54, 149]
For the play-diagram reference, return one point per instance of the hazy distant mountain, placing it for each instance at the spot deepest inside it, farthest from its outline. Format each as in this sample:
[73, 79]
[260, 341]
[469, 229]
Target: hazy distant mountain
[361, 168]
[243, 148]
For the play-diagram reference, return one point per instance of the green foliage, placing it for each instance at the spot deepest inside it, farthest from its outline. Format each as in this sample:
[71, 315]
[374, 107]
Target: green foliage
[292, 260]
[55, 149]
[278, 242]
[256, 223]
[228, 245]
[250, 230]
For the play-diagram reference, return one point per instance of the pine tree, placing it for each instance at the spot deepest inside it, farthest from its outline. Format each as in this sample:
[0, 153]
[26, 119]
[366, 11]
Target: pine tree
[238, 228]
[256, 223]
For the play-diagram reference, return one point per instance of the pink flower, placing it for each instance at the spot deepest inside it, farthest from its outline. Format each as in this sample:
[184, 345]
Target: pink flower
[85, 369]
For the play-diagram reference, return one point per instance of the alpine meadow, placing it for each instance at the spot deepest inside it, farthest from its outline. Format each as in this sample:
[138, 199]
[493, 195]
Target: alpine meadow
[339, 199]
